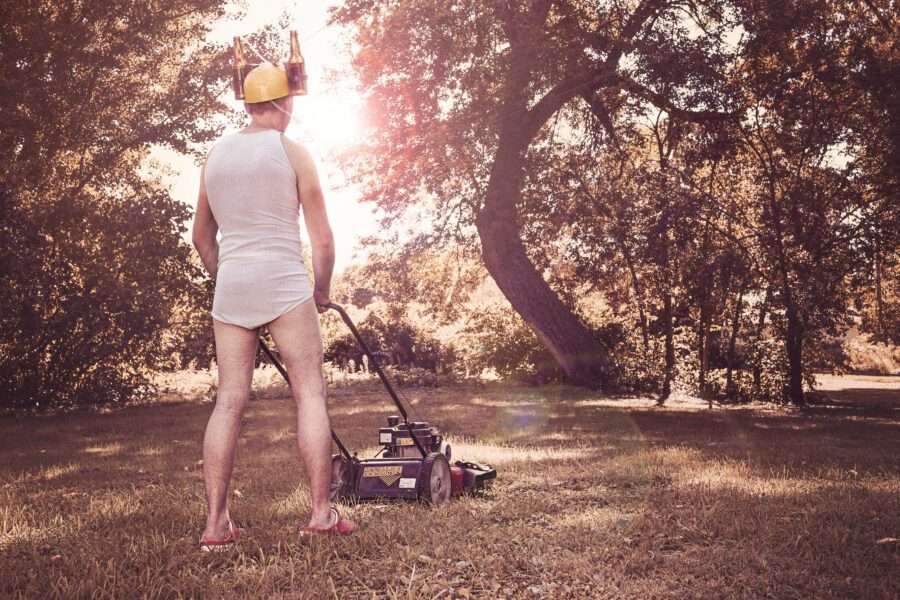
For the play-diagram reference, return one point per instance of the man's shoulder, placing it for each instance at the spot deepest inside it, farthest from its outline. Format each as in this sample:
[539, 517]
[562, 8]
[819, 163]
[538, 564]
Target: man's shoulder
[223, 140]
[293, 145]
[296, 151]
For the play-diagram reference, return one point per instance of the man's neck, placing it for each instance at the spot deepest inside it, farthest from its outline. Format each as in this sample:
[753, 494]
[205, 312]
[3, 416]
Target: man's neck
[268, 120]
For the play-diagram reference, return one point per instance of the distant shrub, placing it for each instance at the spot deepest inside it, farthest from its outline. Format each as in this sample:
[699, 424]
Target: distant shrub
[394, 343]
[496, 339]
[875, 358]
[411, 376]
[635, 369]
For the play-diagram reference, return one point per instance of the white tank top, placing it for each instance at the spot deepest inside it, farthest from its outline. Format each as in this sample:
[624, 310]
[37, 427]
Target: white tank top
[252, 191]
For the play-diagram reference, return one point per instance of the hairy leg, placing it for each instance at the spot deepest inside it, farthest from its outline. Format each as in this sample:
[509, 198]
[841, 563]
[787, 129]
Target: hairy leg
[235, 355]
[299, 341]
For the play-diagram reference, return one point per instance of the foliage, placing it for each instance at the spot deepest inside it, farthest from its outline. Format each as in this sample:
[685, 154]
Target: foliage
[495, 339]
[395, 343]
[876, 358]
[878, 297]
[411, 376]
[724, 176]
[190, 339]
[91, 245]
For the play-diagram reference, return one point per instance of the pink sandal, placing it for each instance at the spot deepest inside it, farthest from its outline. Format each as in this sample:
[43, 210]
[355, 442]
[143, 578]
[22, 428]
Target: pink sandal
[221, 545]
[341, 526]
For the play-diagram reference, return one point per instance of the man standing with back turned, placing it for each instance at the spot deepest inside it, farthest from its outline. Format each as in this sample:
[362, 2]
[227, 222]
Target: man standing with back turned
[252, 186]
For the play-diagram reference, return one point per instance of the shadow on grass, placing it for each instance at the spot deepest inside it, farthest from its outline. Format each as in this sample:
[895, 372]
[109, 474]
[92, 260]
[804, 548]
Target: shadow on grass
[592, 500]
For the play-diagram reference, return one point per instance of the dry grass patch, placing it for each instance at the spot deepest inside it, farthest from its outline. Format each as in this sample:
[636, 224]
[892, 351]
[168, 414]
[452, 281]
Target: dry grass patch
[593, 499]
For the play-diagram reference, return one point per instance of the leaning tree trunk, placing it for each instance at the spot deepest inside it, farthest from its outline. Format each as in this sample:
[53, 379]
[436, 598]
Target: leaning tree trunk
[581, 357]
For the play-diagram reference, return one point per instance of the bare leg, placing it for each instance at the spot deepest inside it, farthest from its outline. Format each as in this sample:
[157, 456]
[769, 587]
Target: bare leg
[299, 340]
[235, 355]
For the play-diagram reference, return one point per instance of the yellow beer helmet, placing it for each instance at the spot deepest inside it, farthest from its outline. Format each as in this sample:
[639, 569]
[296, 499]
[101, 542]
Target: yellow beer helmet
[265, 82]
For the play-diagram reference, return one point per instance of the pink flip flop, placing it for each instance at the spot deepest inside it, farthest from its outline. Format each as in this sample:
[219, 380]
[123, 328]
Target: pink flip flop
[221, 545]
[341, 526]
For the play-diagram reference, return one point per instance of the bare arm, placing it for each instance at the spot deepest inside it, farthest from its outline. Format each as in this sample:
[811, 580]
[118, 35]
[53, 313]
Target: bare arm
[321, 238]
[204, 232]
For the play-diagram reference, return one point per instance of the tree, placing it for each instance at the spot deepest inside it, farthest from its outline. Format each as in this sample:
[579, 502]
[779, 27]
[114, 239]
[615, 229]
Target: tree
[698, 160]
[811, 207]
[464, 91]
[91, 249]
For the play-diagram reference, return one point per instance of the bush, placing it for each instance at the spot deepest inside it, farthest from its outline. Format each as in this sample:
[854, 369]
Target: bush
[399, 343]
[874, 358]
[497, 340]
[411, 376]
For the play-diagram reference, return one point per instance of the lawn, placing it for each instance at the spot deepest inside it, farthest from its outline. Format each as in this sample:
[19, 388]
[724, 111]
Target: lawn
[595, 498]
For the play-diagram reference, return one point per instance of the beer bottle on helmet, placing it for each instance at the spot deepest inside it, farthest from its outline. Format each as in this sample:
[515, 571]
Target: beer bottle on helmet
[296, 68]
[239, 70]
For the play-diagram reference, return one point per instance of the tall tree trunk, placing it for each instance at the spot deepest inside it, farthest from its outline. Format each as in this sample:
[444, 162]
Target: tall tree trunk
[760, 329]
[668, 317]
[670, 349]
[732, 342]
[879, 298]
[705, 302]
[794, 334]
[793, 338]
[638, 293]
[794, 343]
[702, 334]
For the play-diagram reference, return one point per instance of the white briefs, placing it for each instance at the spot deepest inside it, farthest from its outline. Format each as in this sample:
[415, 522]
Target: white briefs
[252, 191]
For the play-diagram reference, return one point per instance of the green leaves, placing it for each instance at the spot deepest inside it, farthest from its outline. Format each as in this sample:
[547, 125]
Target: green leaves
[91, 249]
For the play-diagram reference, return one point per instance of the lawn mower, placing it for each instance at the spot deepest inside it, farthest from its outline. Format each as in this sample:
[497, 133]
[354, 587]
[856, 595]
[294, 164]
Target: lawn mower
[414, 462]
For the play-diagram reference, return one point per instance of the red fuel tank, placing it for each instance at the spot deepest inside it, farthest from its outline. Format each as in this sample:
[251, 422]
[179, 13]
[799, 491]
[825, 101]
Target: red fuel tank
[456, 480]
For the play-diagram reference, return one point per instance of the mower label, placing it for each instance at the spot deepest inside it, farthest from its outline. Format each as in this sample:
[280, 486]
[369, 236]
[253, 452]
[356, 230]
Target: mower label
[407, 483]
[385, 438]
[383, 471]
[404, 441]
[388, 475]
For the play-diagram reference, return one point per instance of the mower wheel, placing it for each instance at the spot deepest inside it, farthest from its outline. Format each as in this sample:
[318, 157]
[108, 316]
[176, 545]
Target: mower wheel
[341, 485]
[434, 479]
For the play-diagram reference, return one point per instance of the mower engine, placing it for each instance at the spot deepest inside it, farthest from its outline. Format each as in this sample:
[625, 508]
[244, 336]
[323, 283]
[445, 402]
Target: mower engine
[397, 439]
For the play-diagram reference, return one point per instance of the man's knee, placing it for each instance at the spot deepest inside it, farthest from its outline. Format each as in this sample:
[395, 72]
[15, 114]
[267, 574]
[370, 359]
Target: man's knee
[310, 392]
[232, 402]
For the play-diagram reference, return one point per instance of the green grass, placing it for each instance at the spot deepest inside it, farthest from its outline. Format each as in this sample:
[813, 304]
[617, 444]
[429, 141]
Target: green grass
[595, 498]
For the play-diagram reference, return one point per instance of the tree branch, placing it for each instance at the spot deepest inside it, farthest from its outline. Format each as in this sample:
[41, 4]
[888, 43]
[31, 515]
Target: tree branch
[599, 110]
[585, 82]
[881, 18]
[661, 101]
